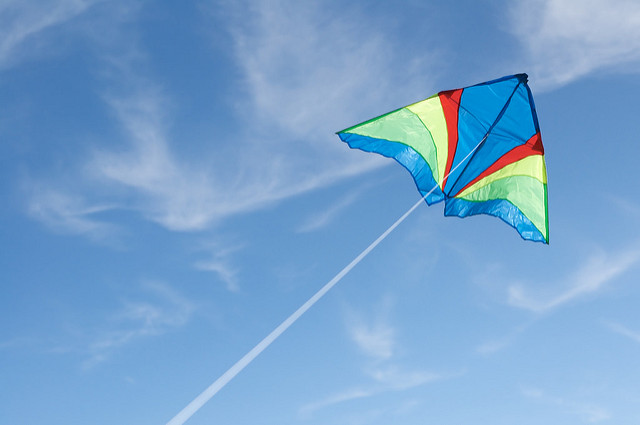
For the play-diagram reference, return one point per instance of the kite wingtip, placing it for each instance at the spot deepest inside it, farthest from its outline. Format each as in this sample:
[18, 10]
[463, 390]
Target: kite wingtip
[523, 77]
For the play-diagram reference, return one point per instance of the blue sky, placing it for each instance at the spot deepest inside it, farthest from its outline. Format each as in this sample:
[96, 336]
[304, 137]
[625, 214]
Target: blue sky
[173, 189]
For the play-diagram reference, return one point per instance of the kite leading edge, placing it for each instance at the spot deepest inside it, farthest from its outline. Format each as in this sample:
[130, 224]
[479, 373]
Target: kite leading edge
[478, 149]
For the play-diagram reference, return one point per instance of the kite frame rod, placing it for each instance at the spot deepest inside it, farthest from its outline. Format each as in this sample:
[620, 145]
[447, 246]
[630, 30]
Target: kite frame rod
[219, 383]
[486, 135]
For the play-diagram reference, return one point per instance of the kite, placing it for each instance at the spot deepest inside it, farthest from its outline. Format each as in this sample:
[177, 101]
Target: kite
[478, 149]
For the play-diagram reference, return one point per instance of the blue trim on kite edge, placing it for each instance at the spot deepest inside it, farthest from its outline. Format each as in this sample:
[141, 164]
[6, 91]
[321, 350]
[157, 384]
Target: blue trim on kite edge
[534, 114]
[500, 208]
[405, 155]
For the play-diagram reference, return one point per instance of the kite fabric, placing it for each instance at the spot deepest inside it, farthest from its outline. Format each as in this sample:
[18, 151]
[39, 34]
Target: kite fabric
[478, 149]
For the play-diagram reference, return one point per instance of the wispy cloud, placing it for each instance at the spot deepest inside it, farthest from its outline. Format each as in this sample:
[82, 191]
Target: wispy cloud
[498, 344]
[308, 66]
[17, 343]
[376, 339]
[383, 381]
[593, 275]
[625, 205]
[395, 379]
[567, 39]
[221, 264]
[305, 74]
[624, 331]
[163, 311]
[590, 412]
[70, 213]
[341, 397]
[169, 192]
[326, 216]
[183, 195]
[186, 196]
[493, 346]
[22, 22]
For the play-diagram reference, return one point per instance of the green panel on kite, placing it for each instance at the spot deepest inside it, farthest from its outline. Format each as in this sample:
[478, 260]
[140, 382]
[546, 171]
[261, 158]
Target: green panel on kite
[524, 192]
[405, 127]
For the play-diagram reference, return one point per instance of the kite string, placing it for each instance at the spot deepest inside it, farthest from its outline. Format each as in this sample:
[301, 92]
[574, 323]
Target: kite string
[219, 383]
[206, 395]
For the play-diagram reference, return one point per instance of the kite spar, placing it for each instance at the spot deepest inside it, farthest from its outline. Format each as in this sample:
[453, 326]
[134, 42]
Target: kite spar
[478, 149]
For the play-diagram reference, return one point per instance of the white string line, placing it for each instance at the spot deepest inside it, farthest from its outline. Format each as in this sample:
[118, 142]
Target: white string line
[219, 383]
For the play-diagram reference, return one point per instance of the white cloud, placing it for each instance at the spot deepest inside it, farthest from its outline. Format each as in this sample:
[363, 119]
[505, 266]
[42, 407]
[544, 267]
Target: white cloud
[396, 379]
[323, 218]
[25, 21]
[493, 346]
[498, 344]
[220, 263]
[163, 311]
[624, 331]
[306, 74]
[592, 276]
[590, 412]
[305, 67]
[16, 343]
[187, 196]
[373, 334]
[568, 39]
[169, 192]
[625, 205]
[348, 395]
[69, 213]
[376, 339]
[391, 379]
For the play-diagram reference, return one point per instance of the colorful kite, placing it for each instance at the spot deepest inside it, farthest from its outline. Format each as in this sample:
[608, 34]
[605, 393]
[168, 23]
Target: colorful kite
[478, 149]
